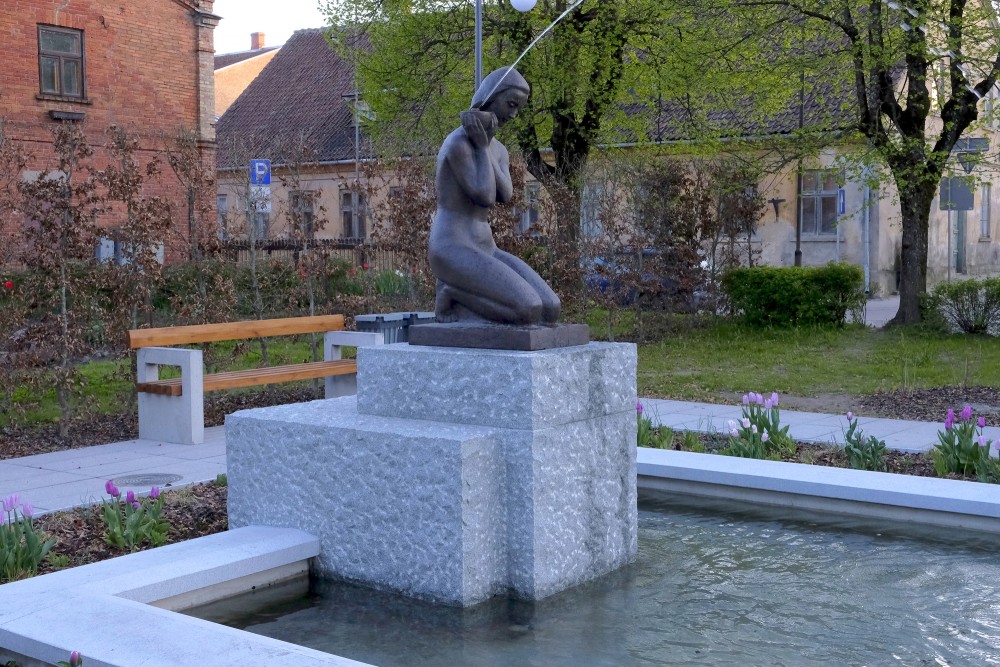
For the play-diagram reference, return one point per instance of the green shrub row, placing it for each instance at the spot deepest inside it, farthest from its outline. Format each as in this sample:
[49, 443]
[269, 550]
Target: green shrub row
[795, 296]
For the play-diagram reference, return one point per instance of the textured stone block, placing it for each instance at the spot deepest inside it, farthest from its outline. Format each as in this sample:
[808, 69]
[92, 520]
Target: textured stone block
[504, 388]
[451, 512]
[410, 506]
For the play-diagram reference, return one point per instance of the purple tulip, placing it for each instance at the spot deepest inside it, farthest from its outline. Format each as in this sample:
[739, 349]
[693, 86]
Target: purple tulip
[753, 429]
[734, 433]
[850, 416]
[982, 441]
[767, 403]
[130, 497]
[154, 492]
[746, 399]
[111, 489]
[758, 399]
[638, 407]
[746, 422]
[28, 510]
[10, 503]
[75, 659]
[949, 419]
[764, 436]
[774, 398]
[966, 412]
[136, 505]
[981, 422]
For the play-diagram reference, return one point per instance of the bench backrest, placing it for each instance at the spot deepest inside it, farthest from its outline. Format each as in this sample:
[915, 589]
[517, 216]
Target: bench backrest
[208, 333]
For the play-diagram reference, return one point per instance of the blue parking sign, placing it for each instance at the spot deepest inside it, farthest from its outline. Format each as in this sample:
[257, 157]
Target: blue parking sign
[260, 172]
[841, 202]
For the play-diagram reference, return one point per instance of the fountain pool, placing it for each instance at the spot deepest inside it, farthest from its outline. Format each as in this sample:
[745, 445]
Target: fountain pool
[715, 583]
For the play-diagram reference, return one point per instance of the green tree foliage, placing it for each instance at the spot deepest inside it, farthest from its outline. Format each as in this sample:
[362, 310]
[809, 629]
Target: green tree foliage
[602, 75]
[917, 73]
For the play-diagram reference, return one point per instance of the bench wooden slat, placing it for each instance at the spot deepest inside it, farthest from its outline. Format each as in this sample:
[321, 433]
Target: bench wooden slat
[255, 376]
[209, 333]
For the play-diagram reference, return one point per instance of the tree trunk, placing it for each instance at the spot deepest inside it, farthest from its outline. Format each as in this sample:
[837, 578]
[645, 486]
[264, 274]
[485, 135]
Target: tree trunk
[915, 206]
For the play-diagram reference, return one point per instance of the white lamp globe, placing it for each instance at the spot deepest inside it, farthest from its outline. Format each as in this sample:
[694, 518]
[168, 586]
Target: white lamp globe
[523, 5]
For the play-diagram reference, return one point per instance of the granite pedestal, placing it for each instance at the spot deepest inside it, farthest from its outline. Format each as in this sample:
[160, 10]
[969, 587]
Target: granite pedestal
[455, 474]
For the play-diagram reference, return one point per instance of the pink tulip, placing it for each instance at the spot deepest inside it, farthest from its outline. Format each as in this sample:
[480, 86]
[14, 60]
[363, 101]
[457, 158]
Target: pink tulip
[75, 659]
[10, 503]
[28, 510]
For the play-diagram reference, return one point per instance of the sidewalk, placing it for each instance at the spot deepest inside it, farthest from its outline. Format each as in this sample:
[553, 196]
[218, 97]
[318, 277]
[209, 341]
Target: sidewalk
[74, 477]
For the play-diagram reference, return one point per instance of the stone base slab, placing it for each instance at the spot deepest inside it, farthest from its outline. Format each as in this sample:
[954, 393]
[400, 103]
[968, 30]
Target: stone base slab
[508, 389]
[446, 512]
[485, 335]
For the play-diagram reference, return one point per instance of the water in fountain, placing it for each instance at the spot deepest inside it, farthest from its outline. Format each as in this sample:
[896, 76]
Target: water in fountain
[715, 584]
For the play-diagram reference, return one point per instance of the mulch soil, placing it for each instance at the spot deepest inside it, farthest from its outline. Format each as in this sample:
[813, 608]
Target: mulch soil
[192, 512]
[201, 509]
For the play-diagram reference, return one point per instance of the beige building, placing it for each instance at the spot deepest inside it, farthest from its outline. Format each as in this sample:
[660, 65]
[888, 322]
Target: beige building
[299, 114]
[855, 217]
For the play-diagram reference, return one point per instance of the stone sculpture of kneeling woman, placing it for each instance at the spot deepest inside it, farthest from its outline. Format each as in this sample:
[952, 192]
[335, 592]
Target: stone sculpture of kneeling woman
[475, 279]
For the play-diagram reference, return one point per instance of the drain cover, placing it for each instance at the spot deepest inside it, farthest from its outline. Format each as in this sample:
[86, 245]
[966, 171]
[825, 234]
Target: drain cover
[147, 480]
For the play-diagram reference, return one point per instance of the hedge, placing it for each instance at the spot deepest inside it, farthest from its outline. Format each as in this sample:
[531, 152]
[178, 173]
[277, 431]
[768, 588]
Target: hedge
[795, 296]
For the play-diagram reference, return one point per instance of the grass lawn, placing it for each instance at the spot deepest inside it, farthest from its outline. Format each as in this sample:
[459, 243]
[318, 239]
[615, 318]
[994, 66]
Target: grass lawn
[107, 384]
[713, 360]
[705, 361]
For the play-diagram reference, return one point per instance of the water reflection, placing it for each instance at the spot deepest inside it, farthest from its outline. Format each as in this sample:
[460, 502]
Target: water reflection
[713, 585]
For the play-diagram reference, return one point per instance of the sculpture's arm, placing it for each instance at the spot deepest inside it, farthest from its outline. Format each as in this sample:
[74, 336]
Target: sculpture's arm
[470, 161]
[505, 188]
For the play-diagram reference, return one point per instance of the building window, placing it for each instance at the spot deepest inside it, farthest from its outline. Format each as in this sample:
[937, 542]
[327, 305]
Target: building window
[818, 202]
[261, 223]
[529, 216]
[222, 207]
[354, 226]
[303, 213]
[591, 225]
[60, 61]
[984, 210]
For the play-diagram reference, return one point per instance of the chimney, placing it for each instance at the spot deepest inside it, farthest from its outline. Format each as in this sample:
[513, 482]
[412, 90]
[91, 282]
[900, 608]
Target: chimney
[256, 41]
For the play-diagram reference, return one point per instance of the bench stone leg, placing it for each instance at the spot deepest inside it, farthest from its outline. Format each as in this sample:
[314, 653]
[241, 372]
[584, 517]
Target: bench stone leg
[345, 385]
[174, 419]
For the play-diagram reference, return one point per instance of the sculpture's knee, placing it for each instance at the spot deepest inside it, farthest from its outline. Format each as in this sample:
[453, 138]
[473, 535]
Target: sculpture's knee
[529, 310]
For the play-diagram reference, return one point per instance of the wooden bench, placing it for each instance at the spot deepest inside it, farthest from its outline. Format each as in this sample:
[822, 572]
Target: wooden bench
[172, 410]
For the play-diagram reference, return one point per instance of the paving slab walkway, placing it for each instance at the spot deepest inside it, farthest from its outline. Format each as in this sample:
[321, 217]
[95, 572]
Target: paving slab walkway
[76, 477]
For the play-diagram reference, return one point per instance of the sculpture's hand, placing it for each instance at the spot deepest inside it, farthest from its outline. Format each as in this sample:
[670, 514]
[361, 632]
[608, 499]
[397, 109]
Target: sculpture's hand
[479, 126]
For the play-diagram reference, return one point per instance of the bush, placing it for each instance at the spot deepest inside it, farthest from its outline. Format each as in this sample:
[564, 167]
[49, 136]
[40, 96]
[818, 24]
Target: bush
[971, 306]
[795, 296]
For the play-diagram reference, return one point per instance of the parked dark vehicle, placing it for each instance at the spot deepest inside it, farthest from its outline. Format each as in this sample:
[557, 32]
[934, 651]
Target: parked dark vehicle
[631, 278]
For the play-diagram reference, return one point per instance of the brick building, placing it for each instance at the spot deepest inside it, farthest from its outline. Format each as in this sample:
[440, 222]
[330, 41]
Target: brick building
[235, 71]
[143, 65]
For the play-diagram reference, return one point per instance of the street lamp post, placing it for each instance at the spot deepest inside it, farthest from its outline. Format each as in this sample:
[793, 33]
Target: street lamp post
[519, 5]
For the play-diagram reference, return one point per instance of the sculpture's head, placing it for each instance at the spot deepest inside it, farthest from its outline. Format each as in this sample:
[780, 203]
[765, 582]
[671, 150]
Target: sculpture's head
[503, 92]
